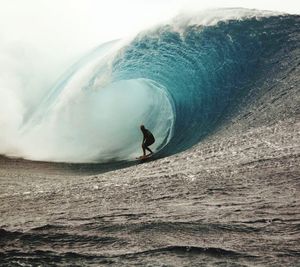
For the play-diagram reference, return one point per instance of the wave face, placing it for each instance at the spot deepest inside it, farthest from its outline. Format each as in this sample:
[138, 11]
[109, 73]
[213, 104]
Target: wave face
[178, 79]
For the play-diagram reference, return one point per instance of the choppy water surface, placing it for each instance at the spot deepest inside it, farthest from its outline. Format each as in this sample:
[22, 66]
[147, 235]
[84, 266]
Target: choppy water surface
[228, 203]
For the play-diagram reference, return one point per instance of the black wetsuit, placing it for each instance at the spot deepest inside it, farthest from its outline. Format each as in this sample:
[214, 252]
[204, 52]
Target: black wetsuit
[149, 138]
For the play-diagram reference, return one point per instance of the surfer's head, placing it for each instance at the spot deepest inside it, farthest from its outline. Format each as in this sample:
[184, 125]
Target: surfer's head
[143, 127]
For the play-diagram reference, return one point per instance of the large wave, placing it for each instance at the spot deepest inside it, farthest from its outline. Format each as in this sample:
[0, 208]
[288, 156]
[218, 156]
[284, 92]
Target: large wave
[178, 79]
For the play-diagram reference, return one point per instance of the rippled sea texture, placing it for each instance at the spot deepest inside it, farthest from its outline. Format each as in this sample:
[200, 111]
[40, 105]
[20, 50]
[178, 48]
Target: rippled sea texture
[231, 200]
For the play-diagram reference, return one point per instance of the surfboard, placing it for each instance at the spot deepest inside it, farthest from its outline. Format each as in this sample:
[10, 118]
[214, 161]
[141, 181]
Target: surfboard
[144, 158]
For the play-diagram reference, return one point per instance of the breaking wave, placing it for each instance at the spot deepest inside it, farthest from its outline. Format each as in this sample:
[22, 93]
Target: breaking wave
[178, 79]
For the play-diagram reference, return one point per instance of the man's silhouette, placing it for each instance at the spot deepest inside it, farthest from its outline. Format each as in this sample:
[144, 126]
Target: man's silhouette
[148, 140]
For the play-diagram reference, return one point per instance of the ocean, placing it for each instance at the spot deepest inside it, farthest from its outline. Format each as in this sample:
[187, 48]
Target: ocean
[222, 99]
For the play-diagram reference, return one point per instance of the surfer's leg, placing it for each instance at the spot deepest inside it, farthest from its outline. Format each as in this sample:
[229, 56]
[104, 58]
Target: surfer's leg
[147, 143]
[149, 150]
[144, 149]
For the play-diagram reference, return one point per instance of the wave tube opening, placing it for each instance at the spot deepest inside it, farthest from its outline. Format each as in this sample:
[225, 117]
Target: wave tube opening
[102, 125]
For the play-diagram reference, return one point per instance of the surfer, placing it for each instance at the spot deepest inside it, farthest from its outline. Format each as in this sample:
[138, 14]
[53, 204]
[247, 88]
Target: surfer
[148, 140]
